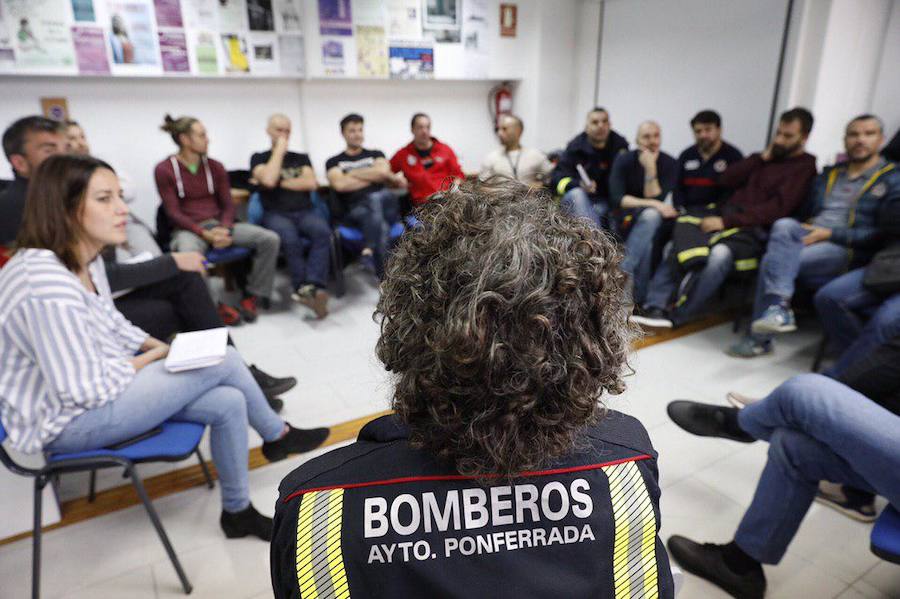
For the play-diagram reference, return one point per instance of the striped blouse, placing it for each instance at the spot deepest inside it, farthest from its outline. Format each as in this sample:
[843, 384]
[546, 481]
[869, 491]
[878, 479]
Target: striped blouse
[63, 350]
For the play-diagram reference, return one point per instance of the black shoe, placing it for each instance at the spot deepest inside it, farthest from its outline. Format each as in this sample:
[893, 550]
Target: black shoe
[652, 318]
[276, 404]
[296, 440]
[246, 522]
[707, 420]
[270, 385]
[708, 562]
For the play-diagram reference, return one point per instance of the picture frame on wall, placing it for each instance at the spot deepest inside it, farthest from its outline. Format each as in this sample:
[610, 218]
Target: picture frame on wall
[441, 18]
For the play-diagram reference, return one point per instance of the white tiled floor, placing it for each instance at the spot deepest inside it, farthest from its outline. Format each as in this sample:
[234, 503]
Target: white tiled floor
[706, 483]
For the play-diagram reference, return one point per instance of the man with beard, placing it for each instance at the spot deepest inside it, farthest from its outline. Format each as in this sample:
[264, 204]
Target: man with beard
[841, 232]
[526, 165]
[700, 165]
[711, 243]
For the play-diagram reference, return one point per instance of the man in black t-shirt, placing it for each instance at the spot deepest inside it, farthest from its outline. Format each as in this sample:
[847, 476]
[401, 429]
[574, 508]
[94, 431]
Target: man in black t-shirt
[285, 181]
[358, 177]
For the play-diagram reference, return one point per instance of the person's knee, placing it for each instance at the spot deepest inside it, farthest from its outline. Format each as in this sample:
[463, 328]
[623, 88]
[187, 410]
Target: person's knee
[719, 256]
[784, 227]
[576, 197]
[269, 239]
[320, 231]
[789, 449]
[231, 407]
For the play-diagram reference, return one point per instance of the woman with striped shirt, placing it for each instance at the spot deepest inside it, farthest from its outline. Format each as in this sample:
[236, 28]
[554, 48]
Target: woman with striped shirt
[75, 375]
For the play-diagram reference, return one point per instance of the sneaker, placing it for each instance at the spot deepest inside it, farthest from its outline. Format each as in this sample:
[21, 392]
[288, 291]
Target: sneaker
[776, 319]
[740, 401]
[270, 385]
[855, 504]
[230, 317]
[708, 562]
[749, 347]
[707, 420]
[313, 298]
[276, 404]
[248, 308]
[653, 318]
[296, 440]
[247, 522]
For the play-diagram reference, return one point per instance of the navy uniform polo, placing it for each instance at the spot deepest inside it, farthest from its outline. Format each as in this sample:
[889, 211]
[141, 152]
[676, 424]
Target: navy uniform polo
[697, 179]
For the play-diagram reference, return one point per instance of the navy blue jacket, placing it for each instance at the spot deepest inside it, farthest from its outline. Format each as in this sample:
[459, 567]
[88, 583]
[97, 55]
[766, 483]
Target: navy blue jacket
[597, 164]
[627, 177]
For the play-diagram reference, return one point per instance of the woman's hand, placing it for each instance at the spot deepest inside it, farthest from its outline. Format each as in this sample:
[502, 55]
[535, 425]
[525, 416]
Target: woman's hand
[156, 352]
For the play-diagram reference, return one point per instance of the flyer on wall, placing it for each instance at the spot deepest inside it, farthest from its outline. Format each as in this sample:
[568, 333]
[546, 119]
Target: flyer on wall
[441, 20]
[132, 33]
[200, 14]
[333, 57]
[174, 52]
[292, 54]
[288, 15]
[232, 15]
[411, 59]
[335, 17]
[264, 54]
[203, 53]
[475, 39]
[168, 13]
[83, 10]
[371, 51]
[7, 54]
[404, 19]
[368, 12]
[90, 50]
[234, 48]
[260, 15]
[40, 33]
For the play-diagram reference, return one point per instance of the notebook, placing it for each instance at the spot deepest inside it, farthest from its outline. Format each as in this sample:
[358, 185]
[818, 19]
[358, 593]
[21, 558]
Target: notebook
[197, 350]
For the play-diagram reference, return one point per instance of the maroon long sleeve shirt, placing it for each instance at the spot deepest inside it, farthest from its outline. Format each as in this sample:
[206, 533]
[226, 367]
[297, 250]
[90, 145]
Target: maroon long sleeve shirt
[198, 204]
[766, 191]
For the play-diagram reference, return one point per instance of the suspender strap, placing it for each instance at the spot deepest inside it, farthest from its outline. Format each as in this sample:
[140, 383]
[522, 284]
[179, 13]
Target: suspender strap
[179, 183]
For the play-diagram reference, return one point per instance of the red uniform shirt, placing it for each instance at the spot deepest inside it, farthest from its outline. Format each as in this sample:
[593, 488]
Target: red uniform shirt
[426, 174]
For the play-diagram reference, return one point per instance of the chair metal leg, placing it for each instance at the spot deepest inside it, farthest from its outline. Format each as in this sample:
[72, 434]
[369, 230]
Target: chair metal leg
[92, 487]
[154, 518]
[205, 468]
[39, 483]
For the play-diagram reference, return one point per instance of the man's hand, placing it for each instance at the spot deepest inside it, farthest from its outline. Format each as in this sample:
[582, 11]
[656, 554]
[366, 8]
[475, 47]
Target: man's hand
[398, 180]
[648, 161]
[816, 234]
[711, 224]
[281, 144]
[666, 210]
[590, 188]
[221, 237]
[190, 261]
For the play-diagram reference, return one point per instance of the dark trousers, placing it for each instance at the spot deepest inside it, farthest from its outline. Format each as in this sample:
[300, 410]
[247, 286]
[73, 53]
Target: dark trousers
[299, 230]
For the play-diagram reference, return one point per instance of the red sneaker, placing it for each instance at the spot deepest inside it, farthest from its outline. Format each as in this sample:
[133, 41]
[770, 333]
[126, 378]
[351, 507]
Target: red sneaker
[230, 317]
[247, 307]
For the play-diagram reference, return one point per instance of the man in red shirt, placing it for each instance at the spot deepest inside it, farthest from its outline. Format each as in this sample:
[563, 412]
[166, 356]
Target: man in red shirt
[428, 164]
[196, 196]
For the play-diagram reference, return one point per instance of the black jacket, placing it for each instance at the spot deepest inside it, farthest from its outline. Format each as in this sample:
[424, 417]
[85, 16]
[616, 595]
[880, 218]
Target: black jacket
[389, 521]
[597, 164]
[12, 206]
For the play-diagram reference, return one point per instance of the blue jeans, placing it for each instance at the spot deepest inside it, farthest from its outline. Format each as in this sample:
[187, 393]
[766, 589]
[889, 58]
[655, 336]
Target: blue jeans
[639, 251]
[578, 202]
[298, 230]
[664, 284]
[841, 305]
[787, 261]
[374, 216]
[817, 429]
[226, 397]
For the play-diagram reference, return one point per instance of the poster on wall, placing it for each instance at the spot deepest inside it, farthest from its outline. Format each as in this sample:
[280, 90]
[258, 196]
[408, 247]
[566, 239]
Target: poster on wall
[411, 60]
[371, 51]
[174, 52]
[260, 15]
[231, 15]
[333, 57]
[288, 15]
[335, 17]
[83, 10]
[264, 54]
[203, 55]
[368, 12]
[404, 19]
[90, 50]
[40, 33]
[234, 48]
[168, 13]
[441, 20]
[132, 36]
[7, 54]
[475, 39]
[292, 55]
[200, 14]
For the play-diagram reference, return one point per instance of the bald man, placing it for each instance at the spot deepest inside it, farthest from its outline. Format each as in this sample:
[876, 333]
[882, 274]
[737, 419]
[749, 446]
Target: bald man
[639, 187]
[285, 180]
[527, 165]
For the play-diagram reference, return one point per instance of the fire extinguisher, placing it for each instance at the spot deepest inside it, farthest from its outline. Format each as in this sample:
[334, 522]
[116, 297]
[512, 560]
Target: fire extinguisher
[500, 102]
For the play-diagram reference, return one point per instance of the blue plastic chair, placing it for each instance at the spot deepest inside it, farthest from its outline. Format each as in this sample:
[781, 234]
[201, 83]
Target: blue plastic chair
[885, 539]
[175, 442]
[227, 255]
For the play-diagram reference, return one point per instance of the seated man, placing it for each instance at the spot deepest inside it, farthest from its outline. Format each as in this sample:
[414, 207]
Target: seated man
[359, 178]
[639, 184]
[841, 233]
[499, 443]
[27, 143]
[196, 196]
[429, 165]
[586, 193]
[700, 165]
[711, 242]
[286, 179]
[527, 165]
[817, 429]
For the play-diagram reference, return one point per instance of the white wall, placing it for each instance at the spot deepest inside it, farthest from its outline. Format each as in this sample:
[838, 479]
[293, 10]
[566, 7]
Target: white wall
[667, 60]
[886, 99]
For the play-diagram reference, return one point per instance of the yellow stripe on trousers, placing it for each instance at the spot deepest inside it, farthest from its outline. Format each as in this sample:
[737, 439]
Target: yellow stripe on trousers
[320, 562]
[634, 548]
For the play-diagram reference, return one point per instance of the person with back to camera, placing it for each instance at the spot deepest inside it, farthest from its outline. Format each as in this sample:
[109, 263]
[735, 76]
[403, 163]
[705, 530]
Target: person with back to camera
[78, 376]
[501, 474]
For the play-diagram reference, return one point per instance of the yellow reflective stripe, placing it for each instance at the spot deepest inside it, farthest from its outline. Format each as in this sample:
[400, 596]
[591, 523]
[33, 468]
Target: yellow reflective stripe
[691, 220]
[747, 264]
[686, 255]
[832, 177]
[320, 561]
[333, 544]
[852, 216]
[722, 235]
[561, 186]
[634, 545]
[680, 301]
[304, 547]
[711, 206]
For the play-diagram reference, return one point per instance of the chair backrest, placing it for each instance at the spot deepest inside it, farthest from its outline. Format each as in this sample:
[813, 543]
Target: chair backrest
[885, 539]
[255, 209]
[2, 433]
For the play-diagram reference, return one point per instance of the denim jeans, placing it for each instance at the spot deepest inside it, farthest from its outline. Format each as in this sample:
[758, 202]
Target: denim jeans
[842, 304]
[639, 251]
[578, 202]
[224, 396]
[664, 284]
[374, 216]
[817, 429]
[297, 230]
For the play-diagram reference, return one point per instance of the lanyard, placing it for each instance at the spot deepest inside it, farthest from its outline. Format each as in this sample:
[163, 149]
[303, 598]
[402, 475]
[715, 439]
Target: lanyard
[180, 184]
[514, 167]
